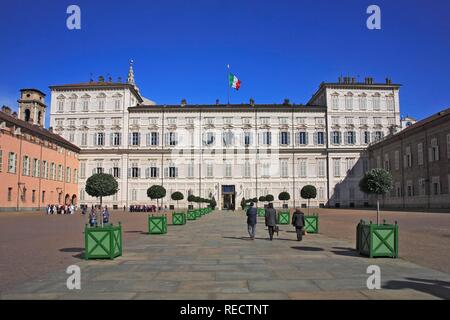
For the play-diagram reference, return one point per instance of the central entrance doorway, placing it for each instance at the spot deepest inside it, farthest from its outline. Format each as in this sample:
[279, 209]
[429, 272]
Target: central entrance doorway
[228, 197]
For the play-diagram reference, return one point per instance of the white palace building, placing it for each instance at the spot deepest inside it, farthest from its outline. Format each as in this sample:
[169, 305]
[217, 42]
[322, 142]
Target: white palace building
[226, 151]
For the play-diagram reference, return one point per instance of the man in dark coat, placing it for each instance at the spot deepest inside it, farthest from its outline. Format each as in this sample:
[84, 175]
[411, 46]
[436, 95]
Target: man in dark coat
[298, 221]
[271, 219]
[251, 221]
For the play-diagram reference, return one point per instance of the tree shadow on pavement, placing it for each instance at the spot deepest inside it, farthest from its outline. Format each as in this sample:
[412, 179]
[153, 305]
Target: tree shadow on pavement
[437, 288]
[308, 248]
[348, 252]
[71, 249]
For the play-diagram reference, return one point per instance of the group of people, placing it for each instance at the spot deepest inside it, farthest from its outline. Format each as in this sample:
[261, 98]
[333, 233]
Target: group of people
[298, 221]
[60, 209]
[93, 219]
[142, 208]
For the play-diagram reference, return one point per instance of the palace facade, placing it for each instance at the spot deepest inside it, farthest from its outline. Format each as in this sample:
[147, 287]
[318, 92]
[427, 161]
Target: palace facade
[226, 151]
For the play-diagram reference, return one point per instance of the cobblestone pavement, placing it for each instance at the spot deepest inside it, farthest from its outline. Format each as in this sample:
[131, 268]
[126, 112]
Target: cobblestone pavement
[213, 258]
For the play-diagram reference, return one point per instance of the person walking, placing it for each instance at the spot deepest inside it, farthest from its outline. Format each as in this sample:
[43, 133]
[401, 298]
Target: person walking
[271, 220]
[251, 221]
[93, 217]
[105, 215]
[298, 221]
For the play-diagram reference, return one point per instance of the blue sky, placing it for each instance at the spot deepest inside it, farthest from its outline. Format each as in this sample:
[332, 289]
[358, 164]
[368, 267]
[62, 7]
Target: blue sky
[279, 49]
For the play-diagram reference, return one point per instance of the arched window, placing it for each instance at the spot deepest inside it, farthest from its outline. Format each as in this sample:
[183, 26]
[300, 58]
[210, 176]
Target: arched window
[27, 115]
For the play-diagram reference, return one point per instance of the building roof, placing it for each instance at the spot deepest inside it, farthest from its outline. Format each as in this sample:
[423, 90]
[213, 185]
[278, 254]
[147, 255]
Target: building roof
[354, 85]
[244, 107]
[416, 127]
[33, 89]
[98, 85]
[38, 131]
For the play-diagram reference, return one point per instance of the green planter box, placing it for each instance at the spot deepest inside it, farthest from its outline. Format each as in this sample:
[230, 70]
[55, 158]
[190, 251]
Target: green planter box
[191, 215]
[157, 224]
[198, 213]
[312, 224]
[377, 240]
[178, 218]
[103, 242]
[261, 212]
[283, 217]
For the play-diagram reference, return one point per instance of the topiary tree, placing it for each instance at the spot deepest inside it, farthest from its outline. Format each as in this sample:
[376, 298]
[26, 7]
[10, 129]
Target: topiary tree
[177, 196]
[156, 192]
[269, 198]
[262, 199]
[284, 196]
[308, 192]
[376, 181]
[101, 185]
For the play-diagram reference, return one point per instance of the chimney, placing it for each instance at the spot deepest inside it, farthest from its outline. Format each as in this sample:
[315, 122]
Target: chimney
[388, 81]
[340, 79]
[50, 129]
[353, 80]
[101, 79]
[286, 102]
[183, 102]
[14, 114]
[217, 102]
[252, 102]
[6, 109]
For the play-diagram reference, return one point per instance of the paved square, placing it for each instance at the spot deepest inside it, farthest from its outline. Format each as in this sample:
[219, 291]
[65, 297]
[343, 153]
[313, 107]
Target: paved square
[213, 258]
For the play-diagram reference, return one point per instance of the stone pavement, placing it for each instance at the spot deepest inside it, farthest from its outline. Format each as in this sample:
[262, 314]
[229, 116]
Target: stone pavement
[213, 258]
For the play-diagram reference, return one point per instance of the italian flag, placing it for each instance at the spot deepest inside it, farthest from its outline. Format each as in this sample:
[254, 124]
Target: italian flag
[234, 82]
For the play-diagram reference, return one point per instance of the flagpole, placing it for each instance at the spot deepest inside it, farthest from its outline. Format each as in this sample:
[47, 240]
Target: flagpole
[228, 82]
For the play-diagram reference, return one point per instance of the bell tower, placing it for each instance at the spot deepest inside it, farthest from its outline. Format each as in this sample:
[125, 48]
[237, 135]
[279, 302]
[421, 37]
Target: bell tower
[32, 106]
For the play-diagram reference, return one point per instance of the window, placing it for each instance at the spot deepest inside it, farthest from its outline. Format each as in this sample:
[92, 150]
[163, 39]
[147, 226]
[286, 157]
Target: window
[117, 105]
[135, 138]
[266, 138]
[152, 139]
[320, 121]
[349, 101]
[101, 105]
[397, 159]
[82, 170]
[335, 121]
[12, 162]
[171, 138]
[228, 171]
[285, 138]
[433, 151]
[85, 105]
[75, 176]
[378, 136]
[284, 168]
[71, 137]
[73, 104]
[303, 138]
[172, 171]
[61, 105]
[209, 121]
[321, 168]
[247, 138]
[422, 187]
[36, 167]
[390, 103]
[228, 138]
[319, 138]
[172, 121]
[335, 102]
[265, 169]
[363, 121]
[351, 137]
[228, 120]
[336, 137]
[68, 174]
[43, 197]
[302, 168]
[376, 102]
[190, 171]
[301, 120]
[387, 164]
[209, 170]
[116, 138]
[363, 102]
[366, 137]
[9, 194]
[135, 170]
[350, 165]
[100, 139]
[133, 194]
[337, 167]
[83, 138]
[448, 149]
[52, 171]
[60, 173]
[247, 169]
[246, 120]
[116, 171]
[265, 120]
[283, 120]
[209, 138]
[26, 166]
[420, 154]
[45, 169]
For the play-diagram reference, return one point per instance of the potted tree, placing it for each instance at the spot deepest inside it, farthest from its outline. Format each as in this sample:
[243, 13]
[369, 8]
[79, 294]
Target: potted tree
[178, 218]
[102, 242]
[284, 215]
[309, 192]
[284, 196]
[191, 214]
[377, 240]
[157, 224]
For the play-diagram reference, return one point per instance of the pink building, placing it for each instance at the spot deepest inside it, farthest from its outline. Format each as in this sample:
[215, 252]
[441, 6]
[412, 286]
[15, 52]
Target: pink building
[37, 167]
